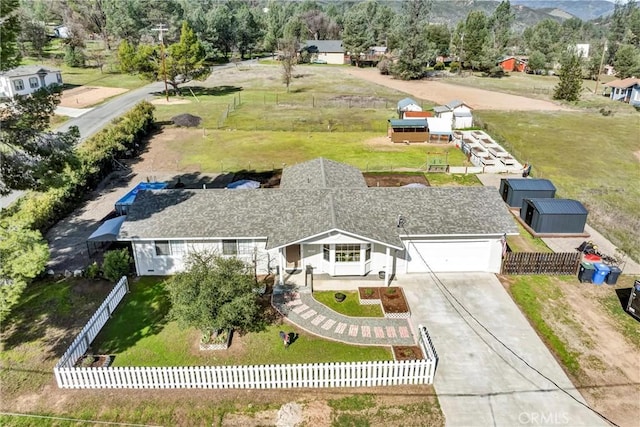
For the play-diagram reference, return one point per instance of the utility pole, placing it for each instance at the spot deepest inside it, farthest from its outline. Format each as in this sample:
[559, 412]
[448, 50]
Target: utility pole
[604, 50]
[161, 29]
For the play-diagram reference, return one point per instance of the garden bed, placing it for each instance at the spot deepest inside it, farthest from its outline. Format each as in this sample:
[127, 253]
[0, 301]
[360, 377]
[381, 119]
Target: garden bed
[394, 304]
[407, 353]
[394, 179]
[94, 361]
[219, 340]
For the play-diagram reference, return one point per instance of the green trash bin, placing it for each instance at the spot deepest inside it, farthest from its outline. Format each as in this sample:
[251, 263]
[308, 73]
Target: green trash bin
[585, 272]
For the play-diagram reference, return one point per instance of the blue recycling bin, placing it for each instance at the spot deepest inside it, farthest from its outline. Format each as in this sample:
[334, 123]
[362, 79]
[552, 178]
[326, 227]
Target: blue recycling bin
[600, 273]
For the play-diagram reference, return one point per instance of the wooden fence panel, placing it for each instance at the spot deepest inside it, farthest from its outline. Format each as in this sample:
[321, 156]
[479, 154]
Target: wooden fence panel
[541, 263]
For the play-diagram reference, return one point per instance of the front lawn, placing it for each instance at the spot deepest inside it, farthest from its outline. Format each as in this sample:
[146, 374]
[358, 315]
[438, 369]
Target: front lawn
[139, 334]
[350, 306]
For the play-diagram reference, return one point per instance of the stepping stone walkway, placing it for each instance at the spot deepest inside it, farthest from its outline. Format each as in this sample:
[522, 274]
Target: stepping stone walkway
[301, 309]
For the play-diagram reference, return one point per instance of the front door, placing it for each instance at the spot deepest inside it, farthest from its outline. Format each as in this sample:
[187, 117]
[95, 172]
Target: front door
[293, 257]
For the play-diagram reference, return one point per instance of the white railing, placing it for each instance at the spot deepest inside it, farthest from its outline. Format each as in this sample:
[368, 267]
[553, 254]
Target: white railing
[82, 342]
[316, 375]
[320, 375]
[428, 349]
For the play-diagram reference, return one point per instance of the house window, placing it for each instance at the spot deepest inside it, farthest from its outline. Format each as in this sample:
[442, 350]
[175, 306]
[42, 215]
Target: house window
[229, 247]
[162, 248]
[33, 82]
[367, 253]
[347, 253]
[326, 252]
[18, 84]
[245, 247]
[178, 248]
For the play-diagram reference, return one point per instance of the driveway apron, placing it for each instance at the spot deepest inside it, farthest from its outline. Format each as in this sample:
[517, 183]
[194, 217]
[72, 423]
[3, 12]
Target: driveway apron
[478, 381]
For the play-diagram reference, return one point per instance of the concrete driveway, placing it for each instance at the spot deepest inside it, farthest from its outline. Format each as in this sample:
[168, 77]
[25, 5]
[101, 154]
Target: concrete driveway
[478, 381]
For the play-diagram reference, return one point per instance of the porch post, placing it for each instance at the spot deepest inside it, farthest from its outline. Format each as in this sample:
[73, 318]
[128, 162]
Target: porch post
[281, 264]
[387, 267]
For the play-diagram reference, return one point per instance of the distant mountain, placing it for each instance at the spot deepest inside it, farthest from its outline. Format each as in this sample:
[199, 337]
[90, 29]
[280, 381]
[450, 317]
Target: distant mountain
[583, 9]
[451, 12]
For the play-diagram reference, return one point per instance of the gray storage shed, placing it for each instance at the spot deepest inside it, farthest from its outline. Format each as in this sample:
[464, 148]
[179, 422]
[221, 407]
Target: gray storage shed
[554, 215]
[515, 190]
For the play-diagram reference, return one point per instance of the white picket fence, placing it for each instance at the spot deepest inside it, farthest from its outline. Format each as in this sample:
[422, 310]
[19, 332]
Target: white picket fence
[316, 375]
[319, 375]
[86, 336]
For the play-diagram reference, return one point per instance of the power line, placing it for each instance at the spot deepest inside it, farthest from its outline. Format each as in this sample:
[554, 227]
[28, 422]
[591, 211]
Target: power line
[442, 287]
[46, 417]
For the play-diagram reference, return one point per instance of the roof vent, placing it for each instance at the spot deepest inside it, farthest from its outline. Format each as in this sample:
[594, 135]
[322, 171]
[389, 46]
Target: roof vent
[400, 221]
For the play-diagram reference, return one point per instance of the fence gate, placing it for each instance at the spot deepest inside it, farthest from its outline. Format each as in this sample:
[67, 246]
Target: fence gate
[540, 263]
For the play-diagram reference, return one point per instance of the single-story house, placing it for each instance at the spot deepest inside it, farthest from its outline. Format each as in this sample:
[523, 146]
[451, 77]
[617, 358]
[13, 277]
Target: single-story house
[513, 63]
[626, 90]
[326, 51]
[26, 79]
[457, 112]
[322, 218]
[407, 104]
[515, 190]
[556, 216]
[377, 51]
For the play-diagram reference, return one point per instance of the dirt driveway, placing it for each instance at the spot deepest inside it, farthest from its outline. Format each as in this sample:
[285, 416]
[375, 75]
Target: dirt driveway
[87, 96]
[442, 93]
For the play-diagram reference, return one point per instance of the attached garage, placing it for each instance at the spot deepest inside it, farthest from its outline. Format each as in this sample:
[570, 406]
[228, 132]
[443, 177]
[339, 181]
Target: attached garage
[451, 256]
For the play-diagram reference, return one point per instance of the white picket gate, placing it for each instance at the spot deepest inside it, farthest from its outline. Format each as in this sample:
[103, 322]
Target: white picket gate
[312, 375]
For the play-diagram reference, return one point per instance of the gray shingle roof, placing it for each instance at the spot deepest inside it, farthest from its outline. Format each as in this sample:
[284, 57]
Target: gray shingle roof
[325, 46]
[530, 184]
[558, 206]
[28, 70]
[406, 102]
[284, 216]
[322, 173]
[456, 103]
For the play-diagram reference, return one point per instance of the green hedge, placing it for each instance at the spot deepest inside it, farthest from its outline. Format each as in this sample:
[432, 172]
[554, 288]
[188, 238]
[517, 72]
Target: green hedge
[40, 211]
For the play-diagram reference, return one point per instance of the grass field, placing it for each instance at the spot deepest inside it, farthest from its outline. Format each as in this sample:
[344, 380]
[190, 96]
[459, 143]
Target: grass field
[589, 157]
[139, 334]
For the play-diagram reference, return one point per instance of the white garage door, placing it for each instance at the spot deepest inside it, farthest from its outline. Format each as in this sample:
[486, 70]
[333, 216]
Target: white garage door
[449, 256]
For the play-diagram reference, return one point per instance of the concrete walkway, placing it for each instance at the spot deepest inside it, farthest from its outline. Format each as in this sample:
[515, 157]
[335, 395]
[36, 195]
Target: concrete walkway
[478, 381]
[301, 309]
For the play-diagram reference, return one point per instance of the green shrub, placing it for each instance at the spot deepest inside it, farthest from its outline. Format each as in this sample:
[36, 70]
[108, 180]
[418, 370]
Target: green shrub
[454, 67]
[439, 66]
[74, 57]
[116, 264]
[92, 271]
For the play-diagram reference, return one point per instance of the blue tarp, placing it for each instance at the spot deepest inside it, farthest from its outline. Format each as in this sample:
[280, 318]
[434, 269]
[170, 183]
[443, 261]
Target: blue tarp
[243, 183]
[123, 204]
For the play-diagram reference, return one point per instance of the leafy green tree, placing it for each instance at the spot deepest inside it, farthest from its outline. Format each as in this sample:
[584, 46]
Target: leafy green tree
[9, 31]
[627, 61]
[457, 41]
[624, 20]
[544, 37]
[225, 24]
[476, 38]
[537, 61]
[134, 20]
[214, 293]
[33, 36]
[116, 264]
[289, 58]
[185, 60]
[31, 156]
[593, 64]
[440, 36]
[501, 22]
[278, 14]
[570, 75]
[249, 31]
[412, 40]
[23, 255]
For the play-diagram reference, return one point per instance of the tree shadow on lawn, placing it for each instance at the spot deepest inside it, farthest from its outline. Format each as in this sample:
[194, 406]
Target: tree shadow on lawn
[142, 313]
[203, 91]
[53, 312]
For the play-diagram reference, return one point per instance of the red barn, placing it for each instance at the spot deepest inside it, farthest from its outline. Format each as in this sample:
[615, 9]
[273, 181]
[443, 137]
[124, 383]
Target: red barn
[513, 63]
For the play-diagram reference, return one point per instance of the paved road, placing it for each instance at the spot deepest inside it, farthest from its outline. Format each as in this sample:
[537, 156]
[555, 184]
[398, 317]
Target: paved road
[479, 382]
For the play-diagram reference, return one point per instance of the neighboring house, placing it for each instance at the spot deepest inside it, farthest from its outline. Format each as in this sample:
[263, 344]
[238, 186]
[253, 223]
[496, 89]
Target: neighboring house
[458, 112]
[583, 50]
[513, 63]
[61, 32]
[326, 51]
[608, 70]
[626, 90]
[407, 104]
[27, 79]
[322, 218]
[377, 51]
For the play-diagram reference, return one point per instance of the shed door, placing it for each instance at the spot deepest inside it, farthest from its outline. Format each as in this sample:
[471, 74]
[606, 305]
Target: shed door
[528, 216]
[449, 256]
